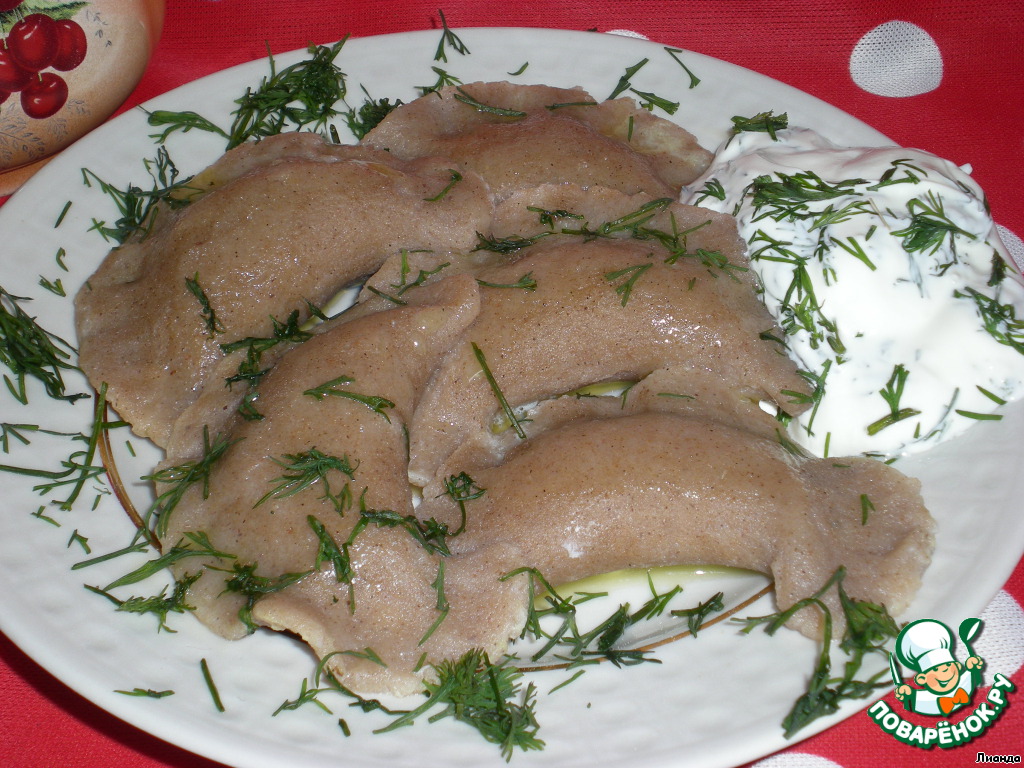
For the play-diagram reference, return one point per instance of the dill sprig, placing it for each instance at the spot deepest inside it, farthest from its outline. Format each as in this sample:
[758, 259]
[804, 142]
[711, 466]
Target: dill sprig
[505, 245]
[29, 350]
[308, 468]
[183, 121]
[288, 331]
[79, 467]
[549, 217]
[627, 277]
[454, 178]
[510, 414]
[999, 270]
[763, 122]
[567, 641]
[448, 38]
[817, 381]
[332, 388]
[479, 106]
[160, 605]
[868, 627]
[909, 176]
[324, 681]
[999, 320]
[636, 224]
[8, 431]
[210, 320]
[181, 477]
[192, 544]
[892, 393]
[712, 188]
[462, 488]
[484, 695]
[369, 114]
[306, 93]
[55, 287]
[799, 308]
[404, 284]
[650, 100]
[787, 196]
[525, 282]
[137, 207]
[251, 369]
[328, 551]
[625, 81]
[429, 534]
[246, 582]
[694, 80]
[444, 79]
[929, 225]
[696, 616]
[632, 224]
[441, 605]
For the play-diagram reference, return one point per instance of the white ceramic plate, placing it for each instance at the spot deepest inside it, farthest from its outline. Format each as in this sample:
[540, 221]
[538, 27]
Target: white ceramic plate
[712, 701]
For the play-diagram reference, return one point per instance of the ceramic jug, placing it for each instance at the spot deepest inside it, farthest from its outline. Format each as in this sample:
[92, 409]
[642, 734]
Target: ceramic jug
[65, 67]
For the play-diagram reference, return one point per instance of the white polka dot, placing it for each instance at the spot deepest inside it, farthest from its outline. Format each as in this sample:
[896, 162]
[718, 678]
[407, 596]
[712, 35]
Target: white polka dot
[795, 760]
[627, 33]
[1001, 642]
[1013, 244]
[896, 59]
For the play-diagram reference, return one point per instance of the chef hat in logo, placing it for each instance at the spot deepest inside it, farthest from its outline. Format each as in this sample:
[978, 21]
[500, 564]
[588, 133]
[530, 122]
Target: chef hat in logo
[924, 644]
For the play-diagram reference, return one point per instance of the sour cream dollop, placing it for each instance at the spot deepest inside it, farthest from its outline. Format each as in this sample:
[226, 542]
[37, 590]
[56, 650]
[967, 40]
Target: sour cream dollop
[884, 269]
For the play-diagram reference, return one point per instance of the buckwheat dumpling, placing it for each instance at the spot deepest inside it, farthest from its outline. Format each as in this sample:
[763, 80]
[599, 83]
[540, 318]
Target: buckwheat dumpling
[274, 226]
[518, 136]
[333, 558]
[607, 308]
[656, 489]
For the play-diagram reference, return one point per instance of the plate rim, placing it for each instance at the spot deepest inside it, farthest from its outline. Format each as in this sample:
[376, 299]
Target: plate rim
[41, 180]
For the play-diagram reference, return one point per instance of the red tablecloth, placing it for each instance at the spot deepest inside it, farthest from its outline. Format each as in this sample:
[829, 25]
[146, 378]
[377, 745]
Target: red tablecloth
[975, 115]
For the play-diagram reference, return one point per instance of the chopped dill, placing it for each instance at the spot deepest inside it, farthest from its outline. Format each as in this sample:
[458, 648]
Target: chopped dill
[29, 350]
[138, 207]
[510, 414]
[448, 38]
[308, 468]
[181, 477]
[332, 388]
[763, 122]
[625, 83]
[211, 686]
[868, 628]
[627, 277]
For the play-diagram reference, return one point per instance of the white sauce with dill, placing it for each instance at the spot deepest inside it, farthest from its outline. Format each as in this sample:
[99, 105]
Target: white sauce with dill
[883, 267]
